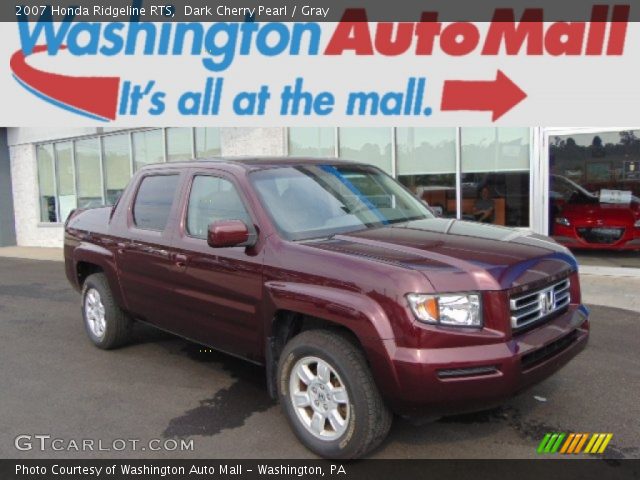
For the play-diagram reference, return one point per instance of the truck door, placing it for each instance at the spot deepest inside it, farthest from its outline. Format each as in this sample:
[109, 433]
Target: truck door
[220, 288]
[145, 258]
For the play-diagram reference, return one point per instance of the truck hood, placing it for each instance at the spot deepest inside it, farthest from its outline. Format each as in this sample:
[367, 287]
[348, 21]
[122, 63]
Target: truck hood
[457, 255]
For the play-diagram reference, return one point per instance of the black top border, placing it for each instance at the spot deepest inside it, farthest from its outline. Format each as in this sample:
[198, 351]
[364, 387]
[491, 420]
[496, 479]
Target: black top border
[317, 10]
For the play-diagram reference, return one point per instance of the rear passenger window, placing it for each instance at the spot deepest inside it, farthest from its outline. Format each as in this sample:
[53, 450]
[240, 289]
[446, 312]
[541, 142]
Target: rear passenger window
[153, 202]
[211, 199]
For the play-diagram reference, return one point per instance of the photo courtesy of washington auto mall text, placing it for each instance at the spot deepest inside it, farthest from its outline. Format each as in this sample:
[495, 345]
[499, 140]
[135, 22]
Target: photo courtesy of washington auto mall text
[270, 239]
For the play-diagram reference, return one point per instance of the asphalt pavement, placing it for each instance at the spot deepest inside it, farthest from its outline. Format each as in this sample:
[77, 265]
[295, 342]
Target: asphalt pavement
[162, 390]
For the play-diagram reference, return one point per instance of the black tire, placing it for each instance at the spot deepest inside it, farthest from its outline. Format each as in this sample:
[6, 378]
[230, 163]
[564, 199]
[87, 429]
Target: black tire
[117, 331]
[369, 419]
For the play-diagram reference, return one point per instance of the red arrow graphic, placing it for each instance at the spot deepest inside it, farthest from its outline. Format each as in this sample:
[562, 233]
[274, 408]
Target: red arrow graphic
[96, 97]
[498, 96]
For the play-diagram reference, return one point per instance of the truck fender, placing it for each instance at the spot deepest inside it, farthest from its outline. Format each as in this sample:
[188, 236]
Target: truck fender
[352, 310]
[103, 258]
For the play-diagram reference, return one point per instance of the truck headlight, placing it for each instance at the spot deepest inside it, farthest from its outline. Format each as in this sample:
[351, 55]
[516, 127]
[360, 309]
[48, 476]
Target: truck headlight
[637, 224]
[458, 310]
[563, 221]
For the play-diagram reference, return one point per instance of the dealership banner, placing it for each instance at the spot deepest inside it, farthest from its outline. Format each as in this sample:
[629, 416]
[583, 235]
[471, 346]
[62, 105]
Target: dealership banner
[321, 63]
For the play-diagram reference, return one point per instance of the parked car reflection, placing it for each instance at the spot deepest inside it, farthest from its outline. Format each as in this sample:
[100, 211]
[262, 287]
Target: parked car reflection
[585, 220]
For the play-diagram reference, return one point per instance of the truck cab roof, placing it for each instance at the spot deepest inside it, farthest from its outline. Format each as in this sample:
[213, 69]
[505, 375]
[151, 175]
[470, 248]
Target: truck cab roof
[251, 163]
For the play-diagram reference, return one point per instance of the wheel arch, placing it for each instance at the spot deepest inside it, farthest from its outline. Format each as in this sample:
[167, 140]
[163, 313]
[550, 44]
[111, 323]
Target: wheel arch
[90, 258]
[299, 307]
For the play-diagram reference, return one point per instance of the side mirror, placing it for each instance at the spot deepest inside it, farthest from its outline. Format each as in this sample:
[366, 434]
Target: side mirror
[230, 233]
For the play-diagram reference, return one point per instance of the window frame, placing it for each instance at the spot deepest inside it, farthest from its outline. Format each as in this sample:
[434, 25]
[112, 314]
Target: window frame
[184, 212]
[131, 220]
[103, 153]
[42, 223]
[191, 143]
[74, 143]
[196, 153]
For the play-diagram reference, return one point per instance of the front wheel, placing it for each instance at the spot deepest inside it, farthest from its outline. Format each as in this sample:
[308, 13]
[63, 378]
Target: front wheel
[329, 397]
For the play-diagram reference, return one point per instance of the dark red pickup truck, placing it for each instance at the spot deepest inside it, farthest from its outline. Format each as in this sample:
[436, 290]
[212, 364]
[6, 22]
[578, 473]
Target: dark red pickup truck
[356, 299]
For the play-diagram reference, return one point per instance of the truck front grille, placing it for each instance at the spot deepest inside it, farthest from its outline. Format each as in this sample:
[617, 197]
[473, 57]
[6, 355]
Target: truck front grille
[532, 307]
[536, 357]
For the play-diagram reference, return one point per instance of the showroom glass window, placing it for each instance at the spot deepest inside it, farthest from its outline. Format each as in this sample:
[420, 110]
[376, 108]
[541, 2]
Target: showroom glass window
[496, 172]
[148, 148]
[46, 183]
[66, 179]
[312, 142]
[368, 145]
[117, 165]
[598, 161]
[207, 142]
[427, 166]
[88, 170]
[179, 144]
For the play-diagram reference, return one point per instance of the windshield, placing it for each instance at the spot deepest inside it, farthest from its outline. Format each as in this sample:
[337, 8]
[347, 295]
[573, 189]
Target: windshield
[322, 200]
[568, 190]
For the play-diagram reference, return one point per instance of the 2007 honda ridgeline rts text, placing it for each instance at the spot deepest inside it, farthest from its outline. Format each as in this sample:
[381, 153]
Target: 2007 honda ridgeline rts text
[355, 298]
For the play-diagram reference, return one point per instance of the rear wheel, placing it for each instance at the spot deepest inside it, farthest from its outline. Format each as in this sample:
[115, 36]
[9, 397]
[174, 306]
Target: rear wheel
[106, 324]
[328, 394]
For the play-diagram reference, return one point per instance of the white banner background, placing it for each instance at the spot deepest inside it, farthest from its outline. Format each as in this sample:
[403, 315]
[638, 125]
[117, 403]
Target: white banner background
[562, 91]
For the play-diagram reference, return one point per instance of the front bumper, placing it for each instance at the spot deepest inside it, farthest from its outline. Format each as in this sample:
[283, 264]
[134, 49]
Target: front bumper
[572, 240]
[437, 382]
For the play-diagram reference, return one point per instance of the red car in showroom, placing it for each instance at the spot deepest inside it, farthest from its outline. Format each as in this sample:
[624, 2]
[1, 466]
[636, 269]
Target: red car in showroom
[584, 220]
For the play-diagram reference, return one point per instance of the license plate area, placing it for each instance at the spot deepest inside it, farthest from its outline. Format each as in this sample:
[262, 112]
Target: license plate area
[606, 231]
[601, 234]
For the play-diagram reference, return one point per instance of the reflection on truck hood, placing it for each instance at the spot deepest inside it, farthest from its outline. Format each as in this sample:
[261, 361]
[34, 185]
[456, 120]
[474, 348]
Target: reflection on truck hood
[459, 255]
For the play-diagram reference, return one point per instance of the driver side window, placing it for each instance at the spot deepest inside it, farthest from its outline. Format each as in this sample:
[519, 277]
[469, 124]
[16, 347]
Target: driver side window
[212, 199]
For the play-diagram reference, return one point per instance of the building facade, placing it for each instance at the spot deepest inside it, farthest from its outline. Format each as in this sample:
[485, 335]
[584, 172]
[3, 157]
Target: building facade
[54, 171]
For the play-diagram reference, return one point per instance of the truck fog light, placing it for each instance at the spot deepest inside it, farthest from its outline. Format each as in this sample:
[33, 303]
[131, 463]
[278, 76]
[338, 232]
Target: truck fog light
[563, 221]
[458, 310]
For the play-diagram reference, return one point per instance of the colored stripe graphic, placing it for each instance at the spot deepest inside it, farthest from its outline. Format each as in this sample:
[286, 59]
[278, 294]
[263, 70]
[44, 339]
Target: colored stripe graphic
[605, 442]
[567, 443]
[573, 448]
[598, 443]
[550, 443]
[543, 443]
[93, 97]
[573, 443]
[556, 445]
[584, 439]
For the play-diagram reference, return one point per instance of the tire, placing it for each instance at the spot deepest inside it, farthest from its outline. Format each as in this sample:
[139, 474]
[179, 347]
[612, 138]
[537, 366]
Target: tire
[366, 420]
[107, 326]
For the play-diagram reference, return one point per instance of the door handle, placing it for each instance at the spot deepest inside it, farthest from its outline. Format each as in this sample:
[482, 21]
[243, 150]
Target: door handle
[180, 260]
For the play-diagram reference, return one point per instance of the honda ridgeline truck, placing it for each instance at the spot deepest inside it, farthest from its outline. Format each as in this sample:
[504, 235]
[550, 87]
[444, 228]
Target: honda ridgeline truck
[358, 301]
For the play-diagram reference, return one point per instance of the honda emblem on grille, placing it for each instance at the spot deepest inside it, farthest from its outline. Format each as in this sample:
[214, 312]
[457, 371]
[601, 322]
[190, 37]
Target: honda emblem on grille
[547, 302]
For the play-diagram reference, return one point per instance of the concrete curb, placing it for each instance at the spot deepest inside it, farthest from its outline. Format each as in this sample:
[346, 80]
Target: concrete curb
[33, 253]
[610, 271]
